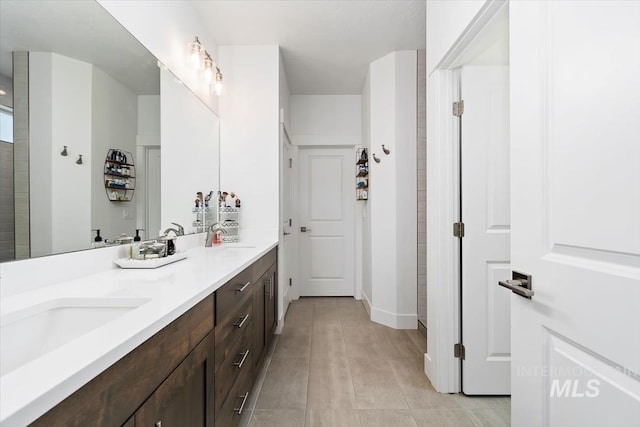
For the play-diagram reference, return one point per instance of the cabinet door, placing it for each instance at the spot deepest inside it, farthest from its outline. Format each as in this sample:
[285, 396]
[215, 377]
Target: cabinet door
[270, 304]
[185, 398]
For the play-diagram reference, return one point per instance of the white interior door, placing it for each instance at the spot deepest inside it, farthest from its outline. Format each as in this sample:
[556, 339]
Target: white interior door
[485, 246]
[575, 212]
[326, 197]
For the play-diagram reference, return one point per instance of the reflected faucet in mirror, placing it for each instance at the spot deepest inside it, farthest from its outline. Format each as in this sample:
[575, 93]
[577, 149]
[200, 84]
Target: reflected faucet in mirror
[179, 230]
[213, 234]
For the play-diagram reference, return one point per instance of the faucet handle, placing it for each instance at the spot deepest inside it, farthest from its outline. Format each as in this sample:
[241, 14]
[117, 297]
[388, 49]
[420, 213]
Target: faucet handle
[180, 228]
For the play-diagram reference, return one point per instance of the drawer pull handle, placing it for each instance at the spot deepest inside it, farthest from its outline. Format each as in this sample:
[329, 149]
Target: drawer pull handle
[245, 286]
[243, 321]
[244, 400]
[241, 362]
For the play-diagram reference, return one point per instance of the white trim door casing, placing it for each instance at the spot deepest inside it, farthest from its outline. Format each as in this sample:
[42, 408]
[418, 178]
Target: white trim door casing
[287, 253]
[326, 201]
[575, 212]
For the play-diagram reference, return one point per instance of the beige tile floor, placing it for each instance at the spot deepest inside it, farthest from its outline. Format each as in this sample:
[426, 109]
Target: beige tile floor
[332, 366]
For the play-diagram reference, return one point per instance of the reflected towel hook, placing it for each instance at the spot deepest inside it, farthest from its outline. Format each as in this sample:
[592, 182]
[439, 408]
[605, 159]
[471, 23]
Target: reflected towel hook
[386, 150]
[64, 151]
[375, 158]
[79, 161]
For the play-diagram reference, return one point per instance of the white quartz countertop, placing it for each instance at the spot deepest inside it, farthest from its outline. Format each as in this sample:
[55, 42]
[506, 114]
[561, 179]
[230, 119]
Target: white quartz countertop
[32, 389]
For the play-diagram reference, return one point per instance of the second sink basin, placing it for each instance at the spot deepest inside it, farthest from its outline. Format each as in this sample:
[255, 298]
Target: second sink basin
[33, 331]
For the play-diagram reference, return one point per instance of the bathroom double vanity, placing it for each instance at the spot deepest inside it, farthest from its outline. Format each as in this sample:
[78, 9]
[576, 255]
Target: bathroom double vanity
[187, 355]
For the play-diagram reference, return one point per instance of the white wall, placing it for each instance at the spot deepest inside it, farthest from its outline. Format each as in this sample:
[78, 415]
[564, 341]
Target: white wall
[148, 136]
[114, 116]
[446, 20]
[284, 95]
[326, 119]
[166, 28]
[190, 150]
[250, 133]
[392, 191]
[59, 223]
[365, 210]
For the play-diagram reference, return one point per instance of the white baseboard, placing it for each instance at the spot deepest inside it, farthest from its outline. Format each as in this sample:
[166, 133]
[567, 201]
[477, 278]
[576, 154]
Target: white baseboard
[367, 304]
[284, 313]
[393, 320]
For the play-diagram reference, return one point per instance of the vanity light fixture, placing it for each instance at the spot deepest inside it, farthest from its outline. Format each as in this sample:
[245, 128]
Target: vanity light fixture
[196, 53]
[375, 158]
[202, 61]
[386, 150]
[64, 151]
[79, 161]
[218, 85]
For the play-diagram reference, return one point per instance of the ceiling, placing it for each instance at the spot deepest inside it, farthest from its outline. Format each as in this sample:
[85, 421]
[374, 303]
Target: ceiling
[326, 46]
[78, 29]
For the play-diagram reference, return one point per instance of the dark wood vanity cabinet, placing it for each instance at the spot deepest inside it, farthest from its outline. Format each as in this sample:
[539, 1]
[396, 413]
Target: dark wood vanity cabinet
[241, 305]
[197, 371]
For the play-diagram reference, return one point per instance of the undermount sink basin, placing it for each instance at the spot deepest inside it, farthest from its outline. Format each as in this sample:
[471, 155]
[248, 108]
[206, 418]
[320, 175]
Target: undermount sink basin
[31, 332]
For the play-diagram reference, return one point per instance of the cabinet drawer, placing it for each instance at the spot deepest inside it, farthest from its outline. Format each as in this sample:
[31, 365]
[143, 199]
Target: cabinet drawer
[232, 294]
[231, 329]
[235, 404]
[238, 361]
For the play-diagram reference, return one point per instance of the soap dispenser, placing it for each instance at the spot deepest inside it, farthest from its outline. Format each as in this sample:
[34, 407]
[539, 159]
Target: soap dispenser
[98, 238]
[137, 237]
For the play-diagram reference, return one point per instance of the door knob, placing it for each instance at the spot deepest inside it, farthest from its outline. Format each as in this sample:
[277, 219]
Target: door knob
[304, 229]
[520, 284]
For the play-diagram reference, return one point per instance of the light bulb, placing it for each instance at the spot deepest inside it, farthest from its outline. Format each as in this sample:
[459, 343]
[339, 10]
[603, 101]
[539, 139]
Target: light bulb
[195, 53]
[218, 85]
[207, 71]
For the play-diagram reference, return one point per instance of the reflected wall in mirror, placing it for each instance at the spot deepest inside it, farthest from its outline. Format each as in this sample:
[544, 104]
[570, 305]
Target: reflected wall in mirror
[74, 77]
[190, 152]
[82, 81]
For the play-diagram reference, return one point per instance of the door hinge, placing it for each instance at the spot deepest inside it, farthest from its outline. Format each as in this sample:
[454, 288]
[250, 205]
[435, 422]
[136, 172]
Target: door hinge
[290, 163]
[458, 229]
[458, 108]
[290, 222]
[458, 351]
[290, 281]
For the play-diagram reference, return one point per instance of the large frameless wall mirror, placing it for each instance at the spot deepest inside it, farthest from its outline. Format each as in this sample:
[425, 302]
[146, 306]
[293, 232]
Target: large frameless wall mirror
[76, 83]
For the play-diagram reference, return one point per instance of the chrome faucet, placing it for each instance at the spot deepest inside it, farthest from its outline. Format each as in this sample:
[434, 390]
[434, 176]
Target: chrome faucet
[179, 230]
[213, 229]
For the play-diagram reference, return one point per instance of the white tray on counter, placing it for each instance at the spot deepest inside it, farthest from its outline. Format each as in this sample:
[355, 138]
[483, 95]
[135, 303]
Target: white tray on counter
[150, 263]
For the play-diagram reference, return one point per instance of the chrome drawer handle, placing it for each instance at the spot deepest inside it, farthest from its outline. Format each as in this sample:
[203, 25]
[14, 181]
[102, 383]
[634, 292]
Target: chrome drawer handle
[244, 400]
[241, 362]
[243, 321]
[245, 286]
